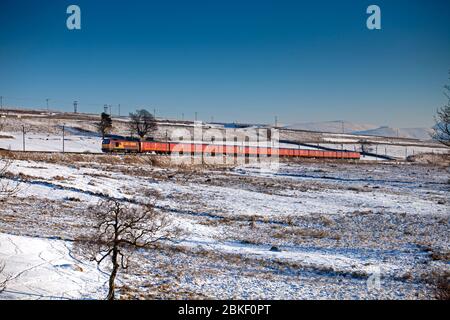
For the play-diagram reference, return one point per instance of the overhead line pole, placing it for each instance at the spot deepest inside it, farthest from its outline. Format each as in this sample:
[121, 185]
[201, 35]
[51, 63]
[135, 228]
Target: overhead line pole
[23, 137]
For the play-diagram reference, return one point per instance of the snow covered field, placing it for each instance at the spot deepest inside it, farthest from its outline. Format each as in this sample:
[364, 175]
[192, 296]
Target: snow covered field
[313, 230]
[47, 142]
[40, 268]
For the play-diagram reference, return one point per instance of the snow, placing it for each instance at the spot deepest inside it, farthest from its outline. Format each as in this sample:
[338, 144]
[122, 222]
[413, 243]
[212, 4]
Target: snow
[216, 215]
[331, 126]
[46, 142]
[363, 129]
[411, 133]
[40, 268]
[400, 152]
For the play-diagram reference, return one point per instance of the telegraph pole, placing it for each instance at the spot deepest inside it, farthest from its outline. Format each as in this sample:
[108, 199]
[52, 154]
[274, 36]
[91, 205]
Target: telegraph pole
[48, 111]
[202, 150]
[167, 144]
[23, 138]
[105, 108]
[119, 109]
[75, 107]
[276, 121]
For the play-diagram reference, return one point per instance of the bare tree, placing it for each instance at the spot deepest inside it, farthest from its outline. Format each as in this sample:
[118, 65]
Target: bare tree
[2, 283]
[442, 127]
[142, 123]
[119, 230]
[7, 187]
[105, 125]
[366, 146]
[4, 279]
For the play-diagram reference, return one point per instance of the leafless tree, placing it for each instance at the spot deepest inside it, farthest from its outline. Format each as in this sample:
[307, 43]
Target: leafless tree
[442, 127]
[366, 146]
[3, 116]
[105, 125]
[121, 229]
[7, 187]
[142, 123]
[2, 282]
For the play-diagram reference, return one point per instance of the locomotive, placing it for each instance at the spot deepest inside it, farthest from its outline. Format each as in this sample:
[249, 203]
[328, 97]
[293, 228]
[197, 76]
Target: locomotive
[130, 145]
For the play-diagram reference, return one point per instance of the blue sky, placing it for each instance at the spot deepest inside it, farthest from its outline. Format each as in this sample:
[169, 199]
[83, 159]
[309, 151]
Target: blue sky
[233, 60]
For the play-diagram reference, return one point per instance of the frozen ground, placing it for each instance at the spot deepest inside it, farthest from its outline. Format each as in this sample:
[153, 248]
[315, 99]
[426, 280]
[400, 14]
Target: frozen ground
[46, 142]
[331, 226]
[39, 268]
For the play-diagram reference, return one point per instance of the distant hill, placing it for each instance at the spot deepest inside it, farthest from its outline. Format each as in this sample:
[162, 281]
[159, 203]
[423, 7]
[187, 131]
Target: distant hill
[414, 133]
[332, 126]
[363, 129]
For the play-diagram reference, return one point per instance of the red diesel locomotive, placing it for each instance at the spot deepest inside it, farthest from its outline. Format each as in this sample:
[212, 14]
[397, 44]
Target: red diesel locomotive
[115, 145]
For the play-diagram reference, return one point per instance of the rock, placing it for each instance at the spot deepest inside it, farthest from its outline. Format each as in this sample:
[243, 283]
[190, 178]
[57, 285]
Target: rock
[275, 249]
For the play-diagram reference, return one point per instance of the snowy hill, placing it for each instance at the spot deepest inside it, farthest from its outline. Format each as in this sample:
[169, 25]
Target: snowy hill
[414, 133]
[363, 129]
[332, 126]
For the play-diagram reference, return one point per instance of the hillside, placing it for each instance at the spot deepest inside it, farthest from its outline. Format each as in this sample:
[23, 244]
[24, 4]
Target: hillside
[332, 126]
[412, 133]
[363, 129]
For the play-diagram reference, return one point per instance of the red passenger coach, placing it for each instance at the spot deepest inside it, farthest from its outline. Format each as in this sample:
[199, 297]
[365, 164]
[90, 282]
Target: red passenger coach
[116, 145]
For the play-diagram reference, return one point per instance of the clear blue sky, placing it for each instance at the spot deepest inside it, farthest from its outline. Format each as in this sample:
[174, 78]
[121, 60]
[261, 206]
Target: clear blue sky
[234, 59]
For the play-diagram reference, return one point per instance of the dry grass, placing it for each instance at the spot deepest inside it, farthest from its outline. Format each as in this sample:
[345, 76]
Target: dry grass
[442, 290]
[440, 280]
[289, 232]
[440, 256]
[442, 160]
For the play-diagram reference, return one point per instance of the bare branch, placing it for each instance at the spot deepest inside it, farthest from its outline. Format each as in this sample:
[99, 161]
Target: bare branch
[142, 123]
[119, 230]
[7, 187]
[442, 127]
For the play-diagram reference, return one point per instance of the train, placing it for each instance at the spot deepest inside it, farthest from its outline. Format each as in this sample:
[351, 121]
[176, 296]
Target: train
[124, 145]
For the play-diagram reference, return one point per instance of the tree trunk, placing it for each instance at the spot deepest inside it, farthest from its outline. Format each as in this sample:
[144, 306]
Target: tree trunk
[112, 277]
